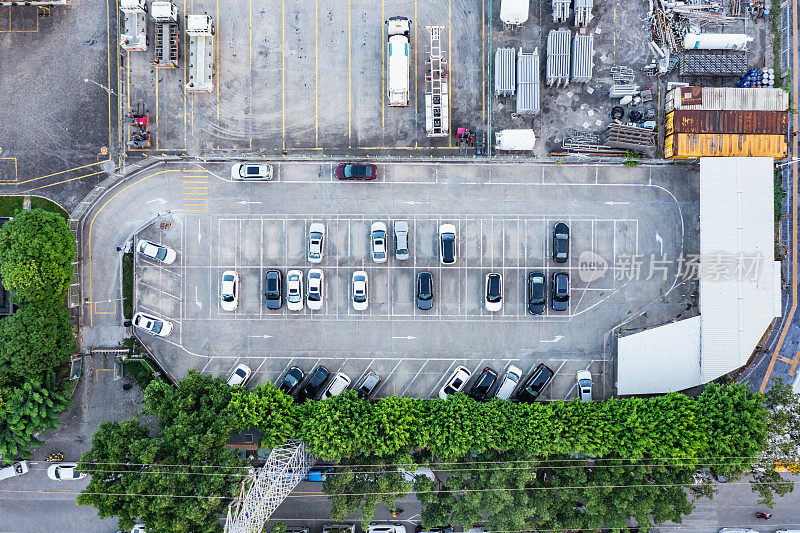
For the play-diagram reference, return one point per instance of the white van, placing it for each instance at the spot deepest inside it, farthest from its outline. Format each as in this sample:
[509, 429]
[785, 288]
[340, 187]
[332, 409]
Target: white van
[397, 61]
[17, 469]
[509, 383]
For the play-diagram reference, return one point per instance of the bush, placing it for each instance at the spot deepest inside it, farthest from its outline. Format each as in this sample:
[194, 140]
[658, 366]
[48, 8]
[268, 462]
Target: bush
[36, 254]
[127, 285]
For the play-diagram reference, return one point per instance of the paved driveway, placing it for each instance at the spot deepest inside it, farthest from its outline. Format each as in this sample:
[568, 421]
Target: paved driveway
[504, 216]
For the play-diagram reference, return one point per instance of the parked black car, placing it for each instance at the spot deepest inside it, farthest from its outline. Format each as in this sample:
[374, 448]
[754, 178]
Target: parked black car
[536, 383]
[480, 389]
[367, 384]
[314, 384]
[291, 380]
[537, 293]
[424, 290]
[560, 243]
[273, 294]
[560, 291]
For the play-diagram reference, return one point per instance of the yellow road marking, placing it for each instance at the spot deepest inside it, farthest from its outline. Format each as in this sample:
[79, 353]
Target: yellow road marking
[62, 171]
[108, 70]
[157, 72]
[349, 70]
[185, 53]
[114, 312]
[65, 181]
[16, 173]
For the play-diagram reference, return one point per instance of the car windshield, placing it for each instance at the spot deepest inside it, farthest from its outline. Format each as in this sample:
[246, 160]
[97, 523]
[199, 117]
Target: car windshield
[424, 289]
[272, 284]
[447, 245]
[359, 296]
[356, 171]
[161, 254]
[493, 292]
[157, 326]
[227, 297]
[533, 392]
[313, 294]
[585, 383]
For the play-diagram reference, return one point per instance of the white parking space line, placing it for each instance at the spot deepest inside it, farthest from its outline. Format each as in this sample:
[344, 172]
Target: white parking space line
[413, 379]
[446, 375]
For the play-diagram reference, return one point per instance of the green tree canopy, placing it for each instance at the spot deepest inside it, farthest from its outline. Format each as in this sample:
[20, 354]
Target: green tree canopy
[26, 410]
[182, 479]
[36, 255]
[37, 338]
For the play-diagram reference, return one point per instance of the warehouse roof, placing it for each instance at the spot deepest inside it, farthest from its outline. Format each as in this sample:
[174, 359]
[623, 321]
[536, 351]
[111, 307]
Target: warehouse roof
[739, 286]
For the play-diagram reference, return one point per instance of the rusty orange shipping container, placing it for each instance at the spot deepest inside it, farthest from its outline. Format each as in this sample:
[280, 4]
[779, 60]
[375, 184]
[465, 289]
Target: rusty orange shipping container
[701, 121]
[691, 145]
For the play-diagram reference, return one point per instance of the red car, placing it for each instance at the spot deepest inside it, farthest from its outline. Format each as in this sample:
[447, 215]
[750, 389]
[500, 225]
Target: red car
[356, 171]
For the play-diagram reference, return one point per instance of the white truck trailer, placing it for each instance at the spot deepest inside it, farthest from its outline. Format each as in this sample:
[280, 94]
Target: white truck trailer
[397, 61]
[165, 15]
[200, 29]
[133, 37]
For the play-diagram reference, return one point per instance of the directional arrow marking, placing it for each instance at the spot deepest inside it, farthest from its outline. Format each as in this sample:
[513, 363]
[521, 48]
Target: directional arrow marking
[660, 242]
[407, 337]
[554, 339]
[260, 336]
[159, 200]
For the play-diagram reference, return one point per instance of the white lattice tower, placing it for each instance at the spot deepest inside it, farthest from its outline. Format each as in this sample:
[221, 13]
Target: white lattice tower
[286, 466]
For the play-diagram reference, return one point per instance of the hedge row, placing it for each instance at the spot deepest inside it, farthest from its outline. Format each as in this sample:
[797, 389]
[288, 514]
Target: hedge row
[724, 421]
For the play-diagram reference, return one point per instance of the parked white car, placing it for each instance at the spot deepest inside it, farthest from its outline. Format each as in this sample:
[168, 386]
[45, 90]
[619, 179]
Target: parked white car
[386, 528]
[360, 290]
[316, 239]
[157, 252]
[240, 375]
[458, 379]
[64, 472]
[229, 288]
[401, 240]
[584, 385]
[251, 171]
[315, 294]
[378, 232]
[336, 386]
[152, 325]
[294, 290]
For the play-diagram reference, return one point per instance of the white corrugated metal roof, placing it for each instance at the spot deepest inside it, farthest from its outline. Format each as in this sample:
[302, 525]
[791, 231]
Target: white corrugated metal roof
[662, 359]
[736, 221]
[739, 286]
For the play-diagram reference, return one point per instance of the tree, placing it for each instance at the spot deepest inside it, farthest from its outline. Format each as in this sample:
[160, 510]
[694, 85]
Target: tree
[182, 479]
[26, 410]
[37, 338]
[36, 254]
[364, 482]
[782, 446]
[267, 409]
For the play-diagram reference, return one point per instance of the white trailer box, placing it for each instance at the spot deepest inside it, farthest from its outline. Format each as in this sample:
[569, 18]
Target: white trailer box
[515, 140]
[514, 12]
[716, 41]
[133, 36]
[397, 62]
[200, 29]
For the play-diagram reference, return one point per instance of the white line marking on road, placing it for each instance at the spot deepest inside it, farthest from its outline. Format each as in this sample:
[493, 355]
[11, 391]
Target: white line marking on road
[260, 336]
[554, 339]
[408, 337]
[158, 200]
[245, 202]
[660, 242]
[617, 203]
[197, 297]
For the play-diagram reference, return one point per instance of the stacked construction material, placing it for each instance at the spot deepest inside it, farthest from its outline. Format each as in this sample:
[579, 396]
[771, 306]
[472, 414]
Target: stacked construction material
[713, 64]
[504, 72]
[747, 122]
[558, 44]
[528, 83]
[757, 77]
[634, 138]
[561, 10]
[582, 58]
[583, 12]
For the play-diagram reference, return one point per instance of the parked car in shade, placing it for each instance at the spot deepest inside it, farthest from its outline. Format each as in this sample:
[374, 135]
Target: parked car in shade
[455, 383]
[401, 240]
[537, 293]
[480, 389]
[367, 384]
[152, 325]
[291, 380]
[273, 293]
[560, 291]
[356, 171]
[424, 290]
[536, 383]
[584, 385]
[156, 251]
[560, 243]
[239, 376]
[314, 384]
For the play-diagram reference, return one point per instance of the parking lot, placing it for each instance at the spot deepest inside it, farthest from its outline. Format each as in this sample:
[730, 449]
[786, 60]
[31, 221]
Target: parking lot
[509, 210]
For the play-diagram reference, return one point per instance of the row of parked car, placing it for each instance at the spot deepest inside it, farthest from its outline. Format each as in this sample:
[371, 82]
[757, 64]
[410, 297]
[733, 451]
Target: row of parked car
[321, 386]
[264, 172]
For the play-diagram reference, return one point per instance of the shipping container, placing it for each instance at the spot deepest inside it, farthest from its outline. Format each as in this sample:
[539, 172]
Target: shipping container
[691, 145]
[727, 98]
[703, 121]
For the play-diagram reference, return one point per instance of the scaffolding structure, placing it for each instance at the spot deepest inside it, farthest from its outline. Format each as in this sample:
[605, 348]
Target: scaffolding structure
[583, 12]
[437, 105]
[561, 10]
[286, 466]
[558, 55]
[505, 64]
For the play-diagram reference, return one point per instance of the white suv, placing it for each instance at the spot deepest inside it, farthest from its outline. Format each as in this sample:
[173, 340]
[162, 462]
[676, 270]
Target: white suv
[386, 528]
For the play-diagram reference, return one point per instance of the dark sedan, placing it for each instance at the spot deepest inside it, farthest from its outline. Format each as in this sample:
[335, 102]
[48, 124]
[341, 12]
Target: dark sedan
[480, 390]
[560, 243]
[356, 171]
[367, 384]
[536, 383]
[314, 384]
[537, 293]
[292, 379]
[424, 290]
[273, 293]
[560, 291]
